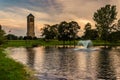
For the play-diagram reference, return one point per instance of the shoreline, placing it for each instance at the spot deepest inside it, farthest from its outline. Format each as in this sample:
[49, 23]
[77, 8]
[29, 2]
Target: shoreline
[35, 43]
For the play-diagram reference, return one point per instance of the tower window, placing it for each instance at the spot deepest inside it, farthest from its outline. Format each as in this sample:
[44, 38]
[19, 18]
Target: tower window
[31, 19]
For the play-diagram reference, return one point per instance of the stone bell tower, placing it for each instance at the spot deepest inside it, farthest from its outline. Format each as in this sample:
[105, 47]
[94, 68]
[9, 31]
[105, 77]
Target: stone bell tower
[30, 26]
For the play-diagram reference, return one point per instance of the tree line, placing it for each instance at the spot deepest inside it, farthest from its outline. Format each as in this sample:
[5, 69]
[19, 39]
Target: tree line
[107, 28]
[64, 31]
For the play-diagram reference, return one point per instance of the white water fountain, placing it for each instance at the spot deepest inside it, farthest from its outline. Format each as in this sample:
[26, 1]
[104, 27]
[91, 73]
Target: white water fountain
[85, 45]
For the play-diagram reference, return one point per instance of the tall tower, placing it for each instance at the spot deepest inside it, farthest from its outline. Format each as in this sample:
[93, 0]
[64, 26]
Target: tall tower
[30, 26]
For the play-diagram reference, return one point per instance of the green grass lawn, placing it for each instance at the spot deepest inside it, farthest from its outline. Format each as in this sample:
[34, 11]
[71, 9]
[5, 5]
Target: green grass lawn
[41, 42]
[29, 43]
[11, 70]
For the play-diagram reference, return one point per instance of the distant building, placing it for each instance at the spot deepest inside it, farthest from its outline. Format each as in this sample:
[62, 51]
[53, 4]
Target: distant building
[30, 26]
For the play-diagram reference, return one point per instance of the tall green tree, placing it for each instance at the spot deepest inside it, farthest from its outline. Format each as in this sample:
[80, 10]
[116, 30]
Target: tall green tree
[73, 29]
[104, 18]
[68, 31]
[63, 31]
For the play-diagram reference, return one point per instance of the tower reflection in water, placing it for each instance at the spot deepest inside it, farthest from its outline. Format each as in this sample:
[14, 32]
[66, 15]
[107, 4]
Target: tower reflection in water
[30, 57]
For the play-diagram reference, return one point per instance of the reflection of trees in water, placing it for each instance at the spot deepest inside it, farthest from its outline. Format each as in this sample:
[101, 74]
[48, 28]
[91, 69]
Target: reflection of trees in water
[105, 66]
[60, 61]
[51, 59]
[68, 62]
[30, 57]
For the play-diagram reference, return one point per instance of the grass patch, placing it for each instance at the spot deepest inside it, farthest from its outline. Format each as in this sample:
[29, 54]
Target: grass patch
[11, 70]
[41, 42]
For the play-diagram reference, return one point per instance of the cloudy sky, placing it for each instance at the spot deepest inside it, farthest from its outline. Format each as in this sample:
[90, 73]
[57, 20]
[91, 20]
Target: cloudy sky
[13, 12]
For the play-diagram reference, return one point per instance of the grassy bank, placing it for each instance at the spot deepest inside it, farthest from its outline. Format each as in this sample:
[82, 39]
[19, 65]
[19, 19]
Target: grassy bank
[30, 43]
[11, 70]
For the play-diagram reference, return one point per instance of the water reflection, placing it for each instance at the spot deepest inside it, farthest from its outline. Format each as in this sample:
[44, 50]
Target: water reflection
[30, 57]
[68, 63]
[105, 67]
[53, 63]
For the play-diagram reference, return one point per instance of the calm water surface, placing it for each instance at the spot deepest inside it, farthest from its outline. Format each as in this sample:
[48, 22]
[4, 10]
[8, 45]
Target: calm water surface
[52, 63]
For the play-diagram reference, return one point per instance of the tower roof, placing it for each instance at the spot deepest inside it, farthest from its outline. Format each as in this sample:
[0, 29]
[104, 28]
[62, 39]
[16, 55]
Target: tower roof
[30, 15]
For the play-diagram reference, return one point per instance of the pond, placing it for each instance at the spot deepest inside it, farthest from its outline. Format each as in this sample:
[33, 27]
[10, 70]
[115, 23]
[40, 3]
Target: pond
[51, 63]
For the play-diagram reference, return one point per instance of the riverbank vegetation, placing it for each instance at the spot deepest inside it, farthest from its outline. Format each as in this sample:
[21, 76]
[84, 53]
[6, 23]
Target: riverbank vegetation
[11, 70]
[42, 42]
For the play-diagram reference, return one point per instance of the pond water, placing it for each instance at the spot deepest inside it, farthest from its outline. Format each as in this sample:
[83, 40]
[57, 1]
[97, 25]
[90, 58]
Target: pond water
[52, 63]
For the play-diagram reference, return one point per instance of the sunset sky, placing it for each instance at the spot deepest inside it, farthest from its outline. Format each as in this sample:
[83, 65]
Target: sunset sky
[13, 13]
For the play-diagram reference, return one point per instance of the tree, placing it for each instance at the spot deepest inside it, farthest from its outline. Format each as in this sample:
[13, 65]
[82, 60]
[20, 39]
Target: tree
[73, 29]
[87, 27]
[90, 33]
[104, 18]
[63, 31]
[54, 31]
[116, 26]
[11, 37]
[114, 36]
[2, 37]
[50, 32]
[20, 37]
[68, 31]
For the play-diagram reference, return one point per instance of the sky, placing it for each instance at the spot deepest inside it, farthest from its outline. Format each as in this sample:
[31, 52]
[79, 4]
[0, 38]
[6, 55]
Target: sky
[13, 13]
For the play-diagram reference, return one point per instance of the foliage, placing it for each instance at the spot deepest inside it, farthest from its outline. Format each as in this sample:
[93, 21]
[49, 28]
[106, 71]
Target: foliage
[116, 26]
[73, 29]
[114, 36]
[90, 33]
[104, 18]
[11, 37]
[20, 37]
[50, 32]
[87, 27]
[2, 37]
[63, 31]
[29, 38]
